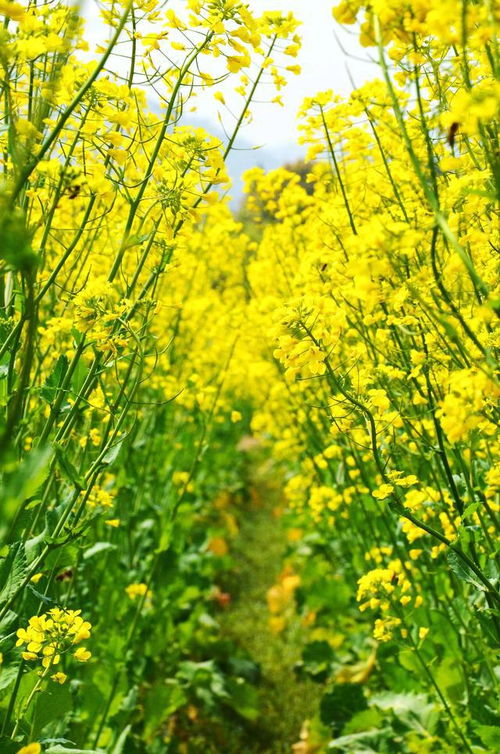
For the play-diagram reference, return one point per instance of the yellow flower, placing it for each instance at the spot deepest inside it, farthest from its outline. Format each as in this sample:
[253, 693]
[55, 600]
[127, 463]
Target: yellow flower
[59, 677]
[384, 628]
[82, 654]
[137, 590]
[345, 12]
[407, 481]
[383, 491]
[450, 163]
[16, 12]
[34, 748]
[51, 635]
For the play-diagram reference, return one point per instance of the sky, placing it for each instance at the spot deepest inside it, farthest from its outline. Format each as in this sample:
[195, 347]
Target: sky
[324, 66]
[329, 58]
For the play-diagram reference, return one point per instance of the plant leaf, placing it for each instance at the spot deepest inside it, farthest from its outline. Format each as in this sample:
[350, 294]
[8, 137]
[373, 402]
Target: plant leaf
[55, 379]
[68, 469]
[461, 570]
[12, 571]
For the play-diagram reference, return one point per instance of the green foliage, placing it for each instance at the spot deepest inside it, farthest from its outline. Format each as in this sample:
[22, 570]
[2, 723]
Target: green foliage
[340, 703]
[13, 569]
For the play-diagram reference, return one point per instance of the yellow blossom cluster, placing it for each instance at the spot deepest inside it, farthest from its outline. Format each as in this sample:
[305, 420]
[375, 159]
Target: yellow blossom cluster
[50, 636]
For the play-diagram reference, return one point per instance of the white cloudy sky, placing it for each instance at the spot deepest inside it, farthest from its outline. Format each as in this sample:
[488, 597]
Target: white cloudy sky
[324, 66]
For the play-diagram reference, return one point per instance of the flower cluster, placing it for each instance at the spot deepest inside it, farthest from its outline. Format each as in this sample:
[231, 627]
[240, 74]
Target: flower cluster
[52, 635]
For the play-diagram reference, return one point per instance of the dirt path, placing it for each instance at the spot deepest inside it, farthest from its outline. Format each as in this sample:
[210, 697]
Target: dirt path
[285, 701]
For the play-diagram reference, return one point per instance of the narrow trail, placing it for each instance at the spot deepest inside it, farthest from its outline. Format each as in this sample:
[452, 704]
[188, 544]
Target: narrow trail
[285, 700]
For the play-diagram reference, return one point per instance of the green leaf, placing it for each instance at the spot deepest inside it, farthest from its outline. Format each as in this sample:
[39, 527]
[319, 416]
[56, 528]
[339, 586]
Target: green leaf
[62, 558]
[164, 698]
[408, 660]
[414, 710]
[55, 379]
[334, 593]
[243, 698]
[317, 658]
[68, 469]
[33, 546]
[244, 668]
[449, 677]
[39, 595]
[120, 743]
[480, 192]
[112, 453]
[341, 703]
[8, 746]
[12, 571]
[51, 706]
[58, 749]
[462, 570]
[135, 240]
[15, 238]
[98, 548]
[7, 621]
[29, 475]
[365, 720]
[470, 509]
[8, 676]
[340, 474]
[344, 742]
[81, 371]
[165, 537]
[400, 703]
[490, 736]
